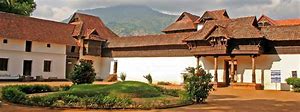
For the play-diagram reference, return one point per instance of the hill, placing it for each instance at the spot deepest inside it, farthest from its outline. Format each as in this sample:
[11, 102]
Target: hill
[128, 20]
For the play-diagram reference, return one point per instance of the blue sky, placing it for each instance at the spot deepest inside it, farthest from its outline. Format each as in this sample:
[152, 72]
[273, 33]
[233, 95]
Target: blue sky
[278, 9]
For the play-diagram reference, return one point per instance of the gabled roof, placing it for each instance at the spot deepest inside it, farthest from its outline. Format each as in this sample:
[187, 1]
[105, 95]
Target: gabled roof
[278, 33]
[282, 22]
[91, 22]
[214, 15]
[184, 22]
[148, 40]
[233, 28]
[27, 28]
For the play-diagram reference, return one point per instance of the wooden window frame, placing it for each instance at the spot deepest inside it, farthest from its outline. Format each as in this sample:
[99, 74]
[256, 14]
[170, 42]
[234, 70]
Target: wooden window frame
[4, 65]
[47, 65]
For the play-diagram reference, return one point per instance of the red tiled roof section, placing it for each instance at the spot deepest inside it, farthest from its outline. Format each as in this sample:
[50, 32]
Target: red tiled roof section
[184, 22]
[278, 33]
[27, 28]
[282, 22]
[233, 28]
[288, 22]
[148, 40]
[218, 14]
[92, 22]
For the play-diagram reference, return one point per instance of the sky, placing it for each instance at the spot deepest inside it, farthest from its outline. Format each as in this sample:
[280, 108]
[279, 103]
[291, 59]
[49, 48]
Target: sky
[59, 10]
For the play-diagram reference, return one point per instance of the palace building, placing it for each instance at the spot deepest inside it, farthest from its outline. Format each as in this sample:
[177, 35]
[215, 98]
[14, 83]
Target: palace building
[239, 52]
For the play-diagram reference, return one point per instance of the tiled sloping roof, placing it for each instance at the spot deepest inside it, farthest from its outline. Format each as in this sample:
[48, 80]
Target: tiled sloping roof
[184, 22]
[282, 22]
[234, 28]
[288, 22]
[148, 40]
[278, 33]
[214, 15]
[218, 14]
[92, 22]
[27, 28]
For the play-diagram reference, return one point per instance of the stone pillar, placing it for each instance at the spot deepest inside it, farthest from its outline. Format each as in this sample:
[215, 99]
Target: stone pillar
[216, 69]
[253, 69]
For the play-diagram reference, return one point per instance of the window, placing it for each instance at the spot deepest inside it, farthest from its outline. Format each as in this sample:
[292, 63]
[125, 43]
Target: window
[5, 41]
[48, 45]
[73, 49]
[3, 64]
[47, 66]
[28, 46]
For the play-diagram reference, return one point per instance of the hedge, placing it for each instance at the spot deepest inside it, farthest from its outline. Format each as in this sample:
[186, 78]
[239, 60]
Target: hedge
[295, 82]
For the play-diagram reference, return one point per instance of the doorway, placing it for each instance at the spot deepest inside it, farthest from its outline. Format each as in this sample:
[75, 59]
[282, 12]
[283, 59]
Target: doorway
[228, 78]
[27, 66]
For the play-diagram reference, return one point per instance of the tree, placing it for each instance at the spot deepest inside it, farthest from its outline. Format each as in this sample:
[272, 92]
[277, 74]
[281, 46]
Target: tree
[197, 84]
[83, 73]
[22, 7]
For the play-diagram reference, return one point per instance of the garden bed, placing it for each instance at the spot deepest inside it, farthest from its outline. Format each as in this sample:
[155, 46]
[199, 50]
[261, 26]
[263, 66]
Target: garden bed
[121, 95]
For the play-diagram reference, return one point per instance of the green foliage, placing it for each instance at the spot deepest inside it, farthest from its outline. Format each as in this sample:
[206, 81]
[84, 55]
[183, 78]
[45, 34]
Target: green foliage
[132, 89]
[123, 76]
[295, 82]
[149, 78]
[170, 92]
[163, 83]
[13, 94]
[197, 84]
[83, 73]
[29, 89]
[22, 7]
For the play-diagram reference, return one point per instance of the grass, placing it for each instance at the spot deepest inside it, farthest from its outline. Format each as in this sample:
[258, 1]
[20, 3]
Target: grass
[132, 89]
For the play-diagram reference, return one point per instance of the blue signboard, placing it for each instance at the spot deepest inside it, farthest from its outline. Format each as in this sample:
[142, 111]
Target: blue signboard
[275, 76]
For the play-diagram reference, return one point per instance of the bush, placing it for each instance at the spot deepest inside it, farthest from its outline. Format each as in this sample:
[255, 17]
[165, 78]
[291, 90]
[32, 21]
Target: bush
[295, 82]
[149, 78]
[123, 76]
[163, 83]
[197, 84]
[13, 94]
[84, 73]
[170, 92]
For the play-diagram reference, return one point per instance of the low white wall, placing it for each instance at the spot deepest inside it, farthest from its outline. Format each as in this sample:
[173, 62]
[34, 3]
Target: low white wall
[161, 68]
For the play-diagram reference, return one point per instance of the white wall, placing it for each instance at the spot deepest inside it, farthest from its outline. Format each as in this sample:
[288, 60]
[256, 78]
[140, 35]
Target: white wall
[161, 68]
[14, 50]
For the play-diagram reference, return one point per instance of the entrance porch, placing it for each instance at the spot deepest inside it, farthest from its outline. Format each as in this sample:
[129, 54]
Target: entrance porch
[239, 71]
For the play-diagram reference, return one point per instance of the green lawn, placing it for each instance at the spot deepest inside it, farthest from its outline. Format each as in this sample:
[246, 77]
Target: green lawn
[131, 89]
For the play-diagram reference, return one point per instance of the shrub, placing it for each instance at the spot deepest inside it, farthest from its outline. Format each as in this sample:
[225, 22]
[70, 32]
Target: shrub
[149, 78]
[295, 82]
[83, 73]
[13, 94]
[197, 84]
[123, 76]
[163, 83]
[170, 92]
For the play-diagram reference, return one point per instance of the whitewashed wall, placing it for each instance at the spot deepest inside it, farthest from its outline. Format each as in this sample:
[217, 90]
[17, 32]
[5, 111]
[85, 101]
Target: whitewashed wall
[161, 68]
[14, 50]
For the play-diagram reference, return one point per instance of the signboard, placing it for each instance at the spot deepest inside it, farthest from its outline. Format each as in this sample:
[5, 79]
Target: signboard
[275, 76]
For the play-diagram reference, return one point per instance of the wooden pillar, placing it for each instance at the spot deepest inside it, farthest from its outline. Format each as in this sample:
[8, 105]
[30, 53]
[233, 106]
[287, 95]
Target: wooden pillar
[253, 69]
[232, 68]
[198, 61]
[216, 69]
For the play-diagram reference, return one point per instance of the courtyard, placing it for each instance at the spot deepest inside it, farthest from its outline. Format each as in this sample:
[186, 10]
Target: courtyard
[220, 100]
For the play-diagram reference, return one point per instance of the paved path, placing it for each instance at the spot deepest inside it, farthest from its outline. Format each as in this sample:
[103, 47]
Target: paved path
[221, 100]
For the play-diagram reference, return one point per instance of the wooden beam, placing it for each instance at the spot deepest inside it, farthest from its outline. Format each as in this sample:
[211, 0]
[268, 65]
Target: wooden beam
[216, 69]
[253, 69]
[232, 68]
[198, 61]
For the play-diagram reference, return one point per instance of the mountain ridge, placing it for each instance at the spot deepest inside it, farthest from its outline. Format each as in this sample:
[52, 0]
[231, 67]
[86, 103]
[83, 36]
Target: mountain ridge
[132, 20]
